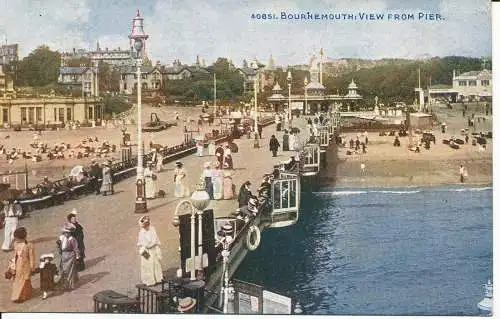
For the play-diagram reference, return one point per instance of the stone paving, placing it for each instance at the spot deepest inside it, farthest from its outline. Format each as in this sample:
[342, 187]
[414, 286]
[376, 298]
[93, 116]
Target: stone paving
[111, 229]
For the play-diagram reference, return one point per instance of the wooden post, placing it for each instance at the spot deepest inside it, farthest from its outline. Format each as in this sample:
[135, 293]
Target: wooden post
[25, 177]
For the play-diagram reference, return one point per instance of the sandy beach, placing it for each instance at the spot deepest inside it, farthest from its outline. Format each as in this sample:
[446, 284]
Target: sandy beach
[389, 166]
[59, 168]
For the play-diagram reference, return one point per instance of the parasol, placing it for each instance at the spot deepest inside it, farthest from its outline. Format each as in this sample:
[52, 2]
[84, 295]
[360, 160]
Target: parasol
[75, 171]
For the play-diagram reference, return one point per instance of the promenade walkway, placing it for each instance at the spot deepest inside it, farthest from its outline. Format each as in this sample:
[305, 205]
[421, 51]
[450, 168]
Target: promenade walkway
[111, 229]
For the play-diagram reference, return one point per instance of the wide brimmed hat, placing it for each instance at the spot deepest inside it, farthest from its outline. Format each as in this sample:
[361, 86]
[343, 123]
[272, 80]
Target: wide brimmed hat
[46, 256]
[186, 304]
[20, 233]
[144, 220]
[206, 165]
[178, 163]
[73, 213]
[252, 201]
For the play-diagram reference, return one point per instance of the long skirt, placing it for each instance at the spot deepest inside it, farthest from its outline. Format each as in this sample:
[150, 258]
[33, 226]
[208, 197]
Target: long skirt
[11, 224]
[199, 150]
[181, 190]
[21, 289]
[218, 187]
[150, 187]
[228, 188]
[209, 187]
[151, 272]
[69, 271]
[211, 149]
[228, 162]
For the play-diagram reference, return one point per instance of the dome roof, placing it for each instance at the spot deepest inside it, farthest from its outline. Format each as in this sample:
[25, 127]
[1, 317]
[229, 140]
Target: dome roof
[315, 86]
[277, 87]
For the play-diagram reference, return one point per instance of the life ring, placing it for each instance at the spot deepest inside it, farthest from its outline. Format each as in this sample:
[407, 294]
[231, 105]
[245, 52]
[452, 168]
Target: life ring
[253, 230]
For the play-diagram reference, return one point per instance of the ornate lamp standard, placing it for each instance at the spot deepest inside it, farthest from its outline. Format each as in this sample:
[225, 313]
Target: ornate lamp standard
[139, 37]
[289, 81]
[200, 200]
[195, 205]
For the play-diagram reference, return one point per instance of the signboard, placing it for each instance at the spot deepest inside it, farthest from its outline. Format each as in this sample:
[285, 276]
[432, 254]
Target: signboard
[8, 53]
[251, 299]
[248, 298]
[276, 304]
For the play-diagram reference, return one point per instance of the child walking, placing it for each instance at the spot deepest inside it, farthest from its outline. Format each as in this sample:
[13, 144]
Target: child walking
[47, 272]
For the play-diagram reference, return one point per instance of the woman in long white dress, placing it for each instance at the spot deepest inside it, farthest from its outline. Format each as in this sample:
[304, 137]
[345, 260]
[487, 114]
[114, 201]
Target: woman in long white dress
[217, 181]
[150, 181]
[181, 188]
[150, 253]
[12, 212]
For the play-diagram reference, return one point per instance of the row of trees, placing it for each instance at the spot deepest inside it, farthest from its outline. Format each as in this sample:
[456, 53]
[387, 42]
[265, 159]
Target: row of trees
[393, 80]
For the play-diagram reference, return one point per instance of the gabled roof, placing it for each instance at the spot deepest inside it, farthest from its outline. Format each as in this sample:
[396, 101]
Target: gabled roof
[133, 69]
[247, 71]
[484, 73]
[73, 70]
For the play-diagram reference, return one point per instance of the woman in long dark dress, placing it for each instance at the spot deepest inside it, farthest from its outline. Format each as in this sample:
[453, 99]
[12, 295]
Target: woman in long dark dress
[79, 236]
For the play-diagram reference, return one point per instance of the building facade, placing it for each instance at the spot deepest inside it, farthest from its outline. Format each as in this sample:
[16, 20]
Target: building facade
[9, 53]
[79, 77]
[473, 85]
[49, 110]
[467, 87]
[6, 83]
[151, 79]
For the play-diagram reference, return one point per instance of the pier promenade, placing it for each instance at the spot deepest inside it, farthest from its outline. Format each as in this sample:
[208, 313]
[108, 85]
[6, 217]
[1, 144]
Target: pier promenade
[111, 229]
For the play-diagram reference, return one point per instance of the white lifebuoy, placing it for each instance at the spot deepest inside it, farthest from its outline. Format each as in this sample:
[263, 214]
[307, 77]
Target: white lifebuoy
[253, 230]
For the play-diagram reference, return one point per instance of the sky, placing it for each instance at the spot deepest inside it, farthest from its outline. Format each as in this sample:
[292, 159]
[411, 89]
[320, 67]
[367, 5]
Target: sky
[183, 29]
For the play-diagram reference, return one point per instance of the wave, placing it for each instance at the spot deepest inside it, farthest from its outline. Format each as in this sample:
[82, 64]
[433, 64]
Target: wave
[401, 192]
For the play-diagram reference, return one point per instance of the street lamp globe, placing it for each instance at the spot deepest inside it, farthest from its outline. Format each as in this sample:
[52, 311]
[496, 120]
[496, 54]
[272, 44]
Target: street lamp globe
[289, 76]
[200, 199]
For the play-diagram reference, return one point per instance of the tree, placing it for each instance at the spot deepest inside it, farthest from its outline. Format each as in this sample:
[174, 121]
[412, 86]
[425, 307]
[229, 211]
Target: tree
[114, 105]
[39, 68]
[109, 78]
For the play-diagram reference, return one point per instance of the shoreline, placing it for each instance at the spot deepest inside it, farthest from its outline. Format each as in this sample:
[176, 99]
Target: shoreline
[352, 186]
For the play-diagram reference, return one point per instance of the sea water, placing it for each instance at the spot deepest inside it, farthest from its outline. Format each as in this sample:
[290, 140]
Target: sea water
[408, 251]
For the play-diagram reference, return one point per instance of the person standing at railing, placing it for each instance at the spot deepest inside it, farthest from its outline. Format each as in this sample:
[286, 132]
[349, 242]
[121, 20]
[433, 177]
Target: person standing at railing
[95, 173]
[107, 180]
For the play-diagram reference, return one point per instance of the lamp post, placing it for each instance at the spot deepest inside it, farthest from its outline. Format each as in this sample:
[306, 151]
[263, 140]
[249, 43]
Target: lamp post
[255, 125]
[200, 200]
[255, 102]
[306, 111]
[140, 199]
[289, 80]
